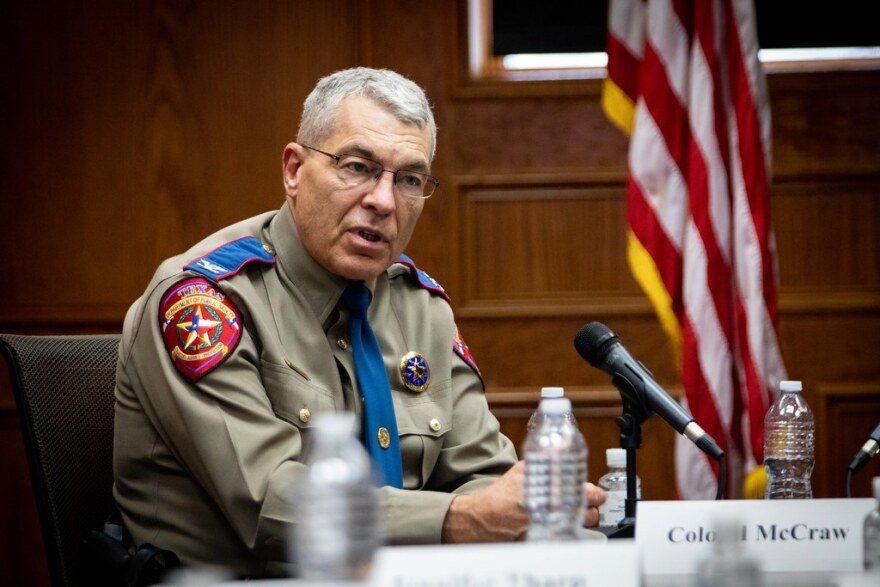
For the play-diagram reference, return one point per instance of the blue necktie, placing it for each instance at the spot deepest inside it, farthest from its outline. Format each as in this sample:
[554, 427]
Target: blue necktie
[380, 425]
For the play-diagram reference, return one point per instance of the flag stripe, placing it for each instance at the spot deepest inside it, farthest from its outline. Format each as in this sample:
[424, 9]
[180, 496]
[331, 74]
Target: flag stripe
[756, 182]
[698, 210]
[645, 225]
[623, 68]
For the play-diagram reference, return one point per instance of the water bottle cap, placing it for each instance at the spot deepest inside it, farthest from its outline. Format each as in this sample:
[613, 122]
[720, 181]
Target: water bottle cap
[876, 483]
[555, 405]
[790, 386]
[616, 457]
[551, 392]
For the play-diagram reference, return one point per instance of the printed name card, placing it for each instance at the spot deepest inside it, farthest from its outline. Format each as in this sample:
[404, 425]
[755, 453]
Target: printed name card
[562, 564]
[782, 535]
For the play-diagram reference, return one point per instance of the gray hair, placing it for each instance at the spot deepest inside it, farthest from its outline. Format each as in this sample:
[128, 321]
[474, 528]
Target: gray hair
[402, 97]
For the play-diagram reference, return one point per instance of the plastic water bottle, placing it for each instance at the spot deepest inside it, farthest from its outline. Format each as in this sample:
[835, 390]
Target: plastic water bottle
[336, 503]
[556, 469]
[614, 483]
[872, 533]
[728, 565]
[789, 444]
[536, 417]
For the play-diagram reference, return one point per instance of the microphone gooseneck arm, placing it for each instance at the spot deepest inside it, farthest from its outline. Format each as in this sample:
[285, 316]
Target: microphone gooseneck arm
[868, 450]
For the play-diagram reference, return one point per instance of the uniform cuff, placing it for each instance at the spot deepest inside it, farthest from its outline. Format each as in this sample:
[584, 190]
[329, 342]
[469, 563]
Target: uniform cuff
[414, 517]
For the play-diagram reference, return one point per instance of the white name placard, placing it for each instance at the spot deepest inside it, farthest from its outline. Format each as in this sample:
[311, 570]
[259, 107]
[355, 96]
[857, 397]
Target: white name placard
[563, 564]
[782, 535]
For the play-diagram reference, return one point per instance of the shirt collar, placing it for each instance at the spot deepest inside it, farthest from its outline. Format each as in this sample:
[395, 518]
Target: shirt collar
[321, 288]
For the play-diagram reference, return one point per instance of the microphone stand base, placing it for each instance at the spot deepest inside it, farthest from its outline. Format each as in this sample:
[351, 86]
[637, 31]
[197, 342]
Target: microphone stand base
[626, 529]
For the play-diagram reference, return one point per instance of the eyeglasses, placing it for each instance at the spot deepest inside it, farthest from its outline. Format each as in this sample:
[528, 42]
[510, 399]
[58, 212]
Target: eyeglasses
[354, 170]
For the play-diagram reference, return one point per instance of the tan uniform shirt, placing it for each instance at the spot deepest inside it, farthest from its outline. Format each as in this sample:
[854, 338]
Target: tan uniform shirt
[204, 468]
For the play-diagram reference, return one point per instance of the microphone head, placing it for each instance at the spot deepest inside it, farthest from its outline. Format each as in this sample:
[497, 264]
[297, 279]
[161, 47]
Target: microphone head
[593, 341]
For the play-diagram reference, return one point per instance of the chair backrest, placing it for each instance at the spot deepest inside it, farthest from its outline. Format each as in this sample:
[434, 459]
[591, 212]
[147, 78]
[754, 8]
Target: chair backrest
[63, 388]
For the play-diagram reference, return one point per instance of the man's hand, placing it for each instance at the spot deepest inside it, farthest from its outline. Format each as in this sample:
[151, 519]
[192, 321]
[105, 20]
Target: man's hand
[594, 496]
[496, 513]
[492, 514]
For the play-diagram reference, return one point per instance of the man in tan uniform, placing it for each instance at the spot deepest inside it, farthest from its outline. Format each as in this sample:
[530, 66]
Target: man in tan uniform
[238, 342]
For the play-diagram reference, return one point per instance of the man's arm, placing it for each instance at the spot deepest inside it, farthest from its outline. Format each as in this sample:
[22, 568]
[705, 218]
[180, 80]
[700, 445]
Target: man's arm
[222, 431]
[492, 514]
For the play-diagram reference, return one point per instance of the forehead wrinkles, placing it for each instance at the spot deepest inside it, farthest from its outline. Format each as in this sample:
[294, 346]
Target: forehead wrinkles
[367, 125]
[387, 146]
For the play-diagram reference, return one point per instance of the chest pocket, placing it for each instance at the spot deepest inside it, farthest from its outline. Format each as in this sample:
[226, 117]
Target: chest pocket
[296, 400]
[422, 422]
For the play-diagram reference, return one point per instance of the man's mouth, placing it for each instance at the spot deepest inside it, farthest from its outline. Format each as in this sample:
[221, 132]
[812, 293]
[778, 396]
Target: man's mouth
[370, 236]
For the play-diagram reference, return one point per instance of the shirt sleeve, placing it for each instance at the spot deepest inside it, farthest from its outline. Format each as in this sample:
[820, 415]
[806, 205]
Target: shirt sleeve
[223, 432]
[473, 455]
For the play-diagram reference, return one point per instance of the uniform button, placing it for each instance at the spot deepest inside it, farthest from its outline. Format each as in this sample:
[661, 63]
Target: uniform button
[342, 343]
[384, 437]
[268, 248]
[305, 415]
[435, 425]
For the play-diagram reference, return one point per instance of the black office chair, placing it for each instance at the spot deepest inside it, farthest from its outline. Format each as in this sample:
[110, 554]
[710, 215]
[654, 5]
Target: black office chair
[63, 388]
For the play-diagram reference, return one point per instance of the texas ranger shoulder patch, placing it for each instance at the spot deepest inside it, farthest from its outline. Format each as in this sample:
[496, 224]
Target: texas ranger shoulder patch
[200, 326]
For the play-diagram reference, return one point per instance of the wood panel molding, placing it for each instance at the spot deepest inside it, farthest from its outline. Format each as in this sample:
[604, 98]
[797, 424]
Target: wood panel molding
[846, 412]
[489, 207]
[108, 317]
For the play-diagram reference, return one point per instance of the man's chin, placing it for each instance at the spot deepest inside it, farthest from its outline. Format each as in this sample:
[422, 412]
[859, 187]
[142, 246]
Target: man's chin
[360, 269]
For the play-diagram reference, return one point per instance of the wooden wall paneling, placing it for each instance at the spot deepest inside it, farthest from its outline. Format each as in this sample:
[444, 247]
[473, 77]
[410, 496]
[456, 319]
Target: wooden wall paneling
[516, 352]
[846, 412]
[595, 408]
[558, 134]
[541, 242]
[825, 123]
[831, 346]
[137, 129]
[828, 235]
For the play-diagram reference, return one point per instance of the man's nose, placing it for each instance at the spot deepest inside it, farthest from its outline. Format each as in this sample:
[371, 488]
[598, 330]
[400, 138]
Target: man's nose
[381, 194]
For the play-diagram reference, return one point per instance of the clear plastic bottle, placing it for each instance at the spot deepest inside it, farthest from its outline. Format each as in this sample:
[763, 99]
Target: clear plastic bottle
[789, 444]
[536, 417]
[872, 533]
[614, 483]
[556, 469]
[728, 565]
[336, 505]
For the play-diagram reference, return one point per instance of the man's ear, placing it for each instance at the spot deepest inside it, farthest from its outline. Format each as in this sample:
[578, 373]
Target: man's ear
[291, 161]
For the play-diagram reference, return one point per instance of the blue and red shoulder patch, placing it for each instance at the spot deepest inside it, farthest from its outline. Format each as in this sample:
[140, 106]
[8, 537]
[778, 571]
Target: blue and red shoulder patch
[424, 280]
[462, 350]
[200, 326]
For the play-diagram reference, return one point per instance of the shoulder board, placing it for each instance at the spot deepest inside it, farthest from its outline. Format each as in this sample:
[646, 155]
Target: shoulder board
[228, 259]
[424, 280]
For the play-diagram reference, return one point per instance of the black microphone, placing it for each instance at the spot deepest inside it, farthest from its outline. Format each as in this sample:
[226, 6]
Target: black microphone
[602, 349]
[868, 450]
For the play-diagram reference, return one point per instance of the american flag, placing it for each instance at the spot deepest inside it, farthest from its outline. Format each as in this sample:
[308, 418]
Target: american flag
[685, 83]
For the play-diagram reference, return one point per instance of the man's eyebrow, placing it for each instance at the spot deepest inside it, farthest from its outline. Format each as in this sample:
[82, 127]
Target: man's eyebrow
[416, 165]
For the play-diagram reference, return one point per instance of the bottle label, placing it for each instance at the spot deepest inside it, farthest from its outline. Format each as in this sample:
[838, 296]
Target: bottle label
[613, 510]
